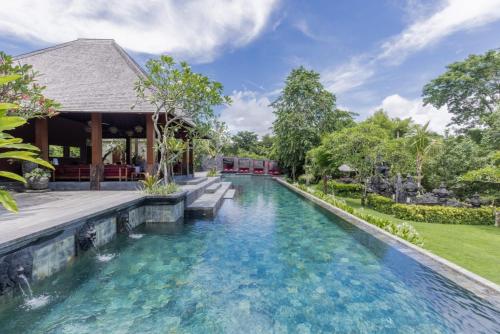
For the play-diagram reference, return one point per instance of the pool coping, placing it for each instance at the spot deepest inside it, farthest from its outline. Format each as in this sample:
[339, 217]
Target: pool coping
[464, 278]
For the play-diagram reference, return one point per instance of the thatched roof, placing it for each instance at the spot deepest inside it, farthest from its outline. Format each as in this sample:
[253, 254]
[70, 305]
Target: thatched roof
[88, 75]
[346, 168]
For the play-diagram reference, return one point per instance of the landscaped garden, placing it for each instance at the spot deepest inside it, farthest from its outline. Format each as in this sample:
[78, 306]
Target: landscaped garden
[440, 192]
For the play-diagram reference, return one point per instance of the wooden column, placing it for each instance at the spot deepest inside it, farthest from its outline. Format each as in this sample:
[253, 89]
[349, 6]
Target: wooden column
[42, 137]
[96, 169]
[150, 143]
[191, 158]
[127, 151]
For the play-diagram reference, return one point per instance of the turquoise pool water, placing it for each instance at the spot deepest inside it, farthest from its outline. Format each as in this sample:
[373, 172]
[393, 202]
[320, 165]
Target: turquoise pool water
[270, 262]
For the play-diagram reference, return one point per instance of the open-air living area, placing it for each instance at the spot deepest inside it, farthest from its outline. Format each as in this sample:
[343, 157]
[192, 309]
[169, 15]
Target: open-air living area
[250, 167]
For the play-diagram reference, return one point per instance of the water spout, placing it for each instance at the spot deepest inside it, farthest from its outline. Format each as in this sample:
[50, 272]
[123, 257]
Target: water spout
[102, 257]
[30, 301]
[22, 277]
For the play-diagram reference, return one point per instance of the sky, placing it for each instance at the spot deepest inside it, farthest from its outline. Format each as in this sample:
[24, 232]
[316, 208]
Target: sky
[370, 53]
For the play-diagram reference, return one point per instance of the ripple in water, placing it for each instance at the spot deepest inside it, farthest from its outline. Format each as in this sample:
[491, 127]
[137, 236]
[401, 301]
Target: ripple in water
[105, 257]
[135, 235]
[36, 302]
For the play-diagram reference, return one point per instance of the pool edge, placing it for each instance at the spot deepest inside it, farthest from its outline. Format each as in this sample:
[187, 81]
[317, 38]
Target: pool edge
[464, 278]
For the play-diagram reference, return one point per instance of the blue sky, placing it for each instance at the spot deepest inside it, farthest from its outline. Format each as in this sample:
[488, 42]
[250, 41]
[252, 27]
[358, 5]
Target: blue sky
[371, 54]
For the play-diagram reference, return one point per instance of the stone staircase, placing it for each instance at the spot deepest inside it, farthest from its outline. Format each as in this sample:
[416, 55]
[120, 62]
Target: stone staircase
[207, 204]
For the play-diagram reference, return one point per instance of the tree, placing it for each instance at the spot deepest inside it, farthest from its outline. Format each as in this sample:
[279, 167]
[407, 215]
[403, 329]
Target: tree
[422, 142]
[178, 94]
[14, 148]
[304, 111]
[245, 141]
[321, 163]
[396, 127]
[457, 155]
[359, 147]
[24, 91]
[470, 89]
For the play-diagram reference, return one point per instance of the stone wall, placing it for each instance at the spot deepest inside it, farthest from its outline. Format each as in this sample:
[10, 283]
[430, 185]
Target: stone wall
[52, 257]
[47, 255]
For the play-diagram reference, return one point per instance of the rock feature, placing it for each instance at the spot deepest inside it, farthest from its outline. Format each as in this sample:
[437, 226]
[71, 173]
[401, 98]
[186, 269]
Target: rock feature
[11, 267]
[87, 236]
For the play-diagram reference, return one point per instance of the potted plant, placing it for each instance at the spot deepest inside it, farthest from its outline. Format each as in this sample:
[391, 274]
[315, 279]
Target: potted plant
[37, 179]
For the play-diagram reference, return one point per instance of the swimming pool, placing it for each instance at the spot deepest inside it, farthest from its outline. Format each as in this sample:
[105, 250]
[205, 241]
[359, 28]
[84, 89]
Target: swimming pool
[269, 262]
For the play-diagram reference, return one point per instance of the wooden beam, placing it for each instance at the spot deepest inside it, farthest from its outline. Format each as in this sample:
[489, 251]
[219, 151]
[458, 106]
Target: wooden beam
[42, 137]
[96, 170]
[150, 143]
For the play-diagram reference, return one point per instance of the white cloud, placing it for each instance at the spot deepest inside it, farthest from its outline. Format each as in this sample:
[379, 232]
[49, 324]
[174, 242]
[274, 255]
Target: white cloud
[192, 29]
[302, 26]
[347, 76]
[398, 106]
[250, 111]
[453, 16]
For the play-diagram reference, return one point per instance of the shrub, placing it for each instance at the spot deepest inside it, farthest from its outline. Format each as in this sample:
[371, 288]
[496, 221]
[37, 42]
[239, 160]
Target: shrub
[432, 214]
[37, 173]
[380, 203]
[353, 190]
[151, 185]
[307, 178]
[444, 214]
[212, 172]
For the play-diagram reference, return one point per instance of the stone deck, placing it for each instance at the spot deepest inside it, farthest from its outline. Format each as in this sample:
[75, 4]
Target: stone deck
[41, 213]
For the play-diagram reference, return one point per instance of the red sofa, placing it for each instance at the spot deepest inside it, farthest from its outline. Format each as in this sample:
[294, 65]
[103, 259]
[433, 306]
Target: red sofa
[118, 172]
[273, 168]
[82, 172]
[72, 172]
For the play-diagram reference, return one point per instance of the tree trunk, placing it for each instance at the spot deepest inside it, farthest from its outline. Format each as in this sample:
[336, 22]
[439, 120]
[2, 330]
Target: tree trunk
[419, 172]
[293, 173]
[325, 184]
[365, 192]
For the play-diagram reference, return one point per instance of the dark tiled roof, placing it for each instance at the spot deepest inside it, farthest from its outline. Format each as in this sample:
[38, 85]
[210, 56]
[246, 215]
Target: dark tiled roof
[88, 75]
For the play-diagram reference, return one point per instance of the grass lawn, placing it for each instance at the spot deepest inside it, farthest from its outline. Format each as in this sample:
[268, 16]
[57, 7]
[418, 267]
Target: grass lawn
[474, 247]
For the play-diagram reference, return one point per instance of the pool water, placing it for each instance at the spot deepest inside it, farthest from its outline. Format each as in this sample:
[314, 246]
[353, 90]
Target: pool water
[270, 262]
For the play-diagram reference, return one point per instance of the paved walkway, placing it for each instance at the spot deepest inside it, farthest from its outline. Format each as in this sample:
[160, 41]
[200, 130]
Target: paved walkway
[41, 213]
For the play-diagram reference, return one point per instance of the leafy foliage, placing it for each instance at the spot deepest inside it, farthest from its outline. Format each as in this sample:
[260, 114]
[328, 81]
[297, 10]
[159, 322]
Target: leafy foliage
[151, 185]
[422, 143]
[352, 190]
[304, 111]
[14, 148]
[37, 173]
[19, 86]
[470, 89]
[433, 214]
[178, 94]
[444, 214]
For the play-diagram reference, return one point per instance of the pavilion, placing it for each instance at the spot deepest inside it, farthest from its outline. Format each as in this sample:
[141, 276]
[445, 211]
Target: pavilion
[93, 80]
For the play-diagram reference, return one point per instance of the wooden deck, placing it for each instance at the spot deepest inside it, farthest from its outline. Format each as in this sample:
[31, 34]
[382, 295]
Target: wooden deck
[41, 213]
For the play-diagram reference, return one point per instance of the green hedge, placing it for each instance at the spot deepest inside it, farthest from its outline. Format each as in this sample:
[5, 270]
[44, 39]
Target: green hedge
[403, 230]
[380, 203]
[444, 214]
[352, 190]
[433, 214]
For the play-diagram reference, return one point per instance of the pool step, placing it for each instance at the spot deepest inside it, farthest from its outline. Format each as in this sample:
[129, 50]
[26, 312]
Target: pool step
[208, 204]
[191, 181]
[230, 194]
[213, 188]
[197, 190]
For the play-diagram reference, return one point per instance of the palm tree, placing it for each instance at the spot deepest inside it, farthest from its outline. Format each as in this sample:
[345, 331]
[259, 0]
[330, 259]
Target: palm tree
[422, 142]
